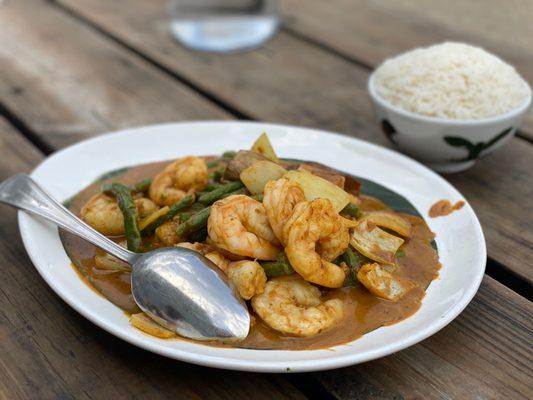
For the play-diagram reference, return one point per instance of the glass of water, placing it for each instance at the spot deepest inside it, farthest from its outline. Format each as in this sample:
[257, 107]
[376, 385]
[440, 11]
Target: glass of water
[223, 26]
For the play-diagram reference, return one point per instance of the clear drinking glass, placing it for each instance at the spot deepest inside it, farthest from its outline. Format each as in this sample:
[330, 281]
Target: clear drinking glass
[223, 25]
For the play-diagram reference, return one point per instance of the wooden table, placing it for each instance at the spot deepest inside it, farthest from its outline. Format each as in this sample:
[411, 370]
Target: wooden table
[72, 69]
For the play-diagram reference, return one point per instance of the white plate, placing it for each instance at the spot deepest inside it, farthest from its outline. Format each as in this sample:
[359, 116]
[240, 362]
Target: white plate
[459, 236]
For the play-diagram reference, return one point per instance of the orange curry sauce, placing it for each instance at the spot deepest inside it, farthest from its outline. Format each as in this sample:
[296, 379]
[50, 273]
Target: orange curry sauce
[363, 311]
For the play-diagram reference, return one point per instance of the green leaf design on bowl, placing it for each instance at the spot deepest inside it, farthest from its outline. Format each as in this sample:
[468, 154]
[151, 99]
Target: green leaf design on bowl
[475, 149]
[389, 131]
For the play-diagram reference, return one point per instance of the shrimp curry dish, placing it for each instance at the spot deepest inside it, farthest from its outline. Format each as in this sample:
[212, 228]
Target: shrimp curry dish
[318, 261]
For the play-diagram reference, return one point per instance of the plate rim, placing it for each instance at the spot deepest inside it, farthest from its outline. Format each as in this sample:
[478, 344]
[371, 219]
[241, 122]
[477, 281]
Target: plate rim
[259, 365]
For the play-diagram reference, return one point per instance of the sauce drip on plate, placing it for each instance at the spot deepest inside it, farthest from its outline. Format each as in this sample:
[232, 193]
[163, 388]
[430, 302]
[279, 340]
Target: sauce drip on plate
[443, 207]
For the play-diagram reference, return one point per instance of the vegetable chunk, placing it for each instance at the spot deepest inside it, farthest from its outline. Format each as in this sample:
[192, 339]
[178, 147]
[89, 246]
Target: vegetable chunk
[316, 187]
[390, 221]
[375, 243]
[263, 146]
[382, 283]
[148, 325]
[256, 176]
[242, 160]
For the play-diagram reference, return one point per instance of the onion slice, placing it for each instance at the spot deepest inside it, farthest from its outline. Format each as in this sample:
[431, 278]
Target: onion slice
[390, 221]
[374, 243]
[382, 283]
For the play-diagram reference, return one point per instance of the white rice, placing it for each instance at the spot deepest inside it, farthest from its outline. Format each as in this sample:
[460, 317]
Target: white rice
[451, 80]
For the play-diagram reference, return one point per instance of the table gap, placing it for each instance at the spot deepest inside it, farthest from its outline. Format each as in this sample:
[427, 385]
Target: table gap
[325, 47]
[238, 114]
[25, 130]
[509, 278]
[310, 386]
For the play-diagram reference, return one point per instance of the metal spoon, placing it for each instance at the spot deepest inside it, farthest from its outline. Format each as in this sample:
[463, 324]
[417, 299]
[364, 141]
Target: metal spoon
[177, 287]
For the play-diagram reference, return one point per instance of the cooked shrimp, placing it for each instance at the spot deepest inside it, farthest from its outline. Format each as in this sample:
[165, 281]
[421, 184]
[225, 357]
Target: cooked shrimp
[248, 276]
[315, 234]
[280, 198]
[239, 224]
[167, 234]
[178, 179]
[197, 246]
[219, 260]
[214, 256]
[145, 207]
[336, 243]
[103, 213]
[292, 305]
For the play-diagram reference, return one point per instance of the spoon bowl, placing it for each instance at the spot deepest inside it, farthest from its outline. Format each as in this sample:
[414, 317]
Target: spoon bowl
[179, 288]
[201, 305]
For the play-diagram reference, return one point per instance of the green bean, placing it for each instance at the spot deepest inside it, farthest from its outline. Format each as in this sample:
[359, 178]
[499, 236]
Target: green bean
[338, 260]
[198, 236]
[228, 155]
[217, 175]
[352, 210]
[184, 216]
[280, 267]
[354, 260]
[209, 188]
[138, 187]
[258, 197]
[195, 223]
[192, 222]
[219, 192]
[213, 163]
[196, 207]
[212, 186]
[129, 211]
[172, 212]
[141, 186]
[236, 192]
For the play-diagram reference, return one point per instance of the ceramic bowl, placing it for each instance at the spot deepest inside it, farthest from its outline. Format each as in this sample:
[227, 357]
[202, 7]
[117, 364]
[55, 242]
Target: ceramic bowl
[445, 145]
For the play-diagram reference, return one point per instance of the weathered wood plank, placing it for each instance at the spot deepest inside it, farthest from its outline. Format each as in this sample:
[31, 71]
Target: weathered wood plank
[431, 368]
[292, 81]
[371, 31]
[283, 81]
[68, 83]
[499, 188]
[484, 354]
[49, 351]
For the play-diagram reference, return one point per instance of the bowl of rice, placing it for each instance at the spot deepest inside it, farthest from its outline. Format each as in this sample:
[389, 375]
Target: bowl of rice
[448, 104]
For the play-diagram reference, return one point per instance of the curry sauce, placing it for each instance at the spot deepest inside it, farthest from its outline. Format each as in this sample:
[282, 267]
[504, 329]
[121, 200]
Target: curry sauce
[363, 312]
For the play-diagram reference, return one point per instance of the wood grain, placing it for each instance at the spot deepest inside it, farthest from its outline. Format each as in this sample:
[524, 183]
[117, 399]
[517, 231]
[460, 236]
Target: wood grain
[50, 352]
[370, 31]
[285, 81]
[292, 81]
[68, 83]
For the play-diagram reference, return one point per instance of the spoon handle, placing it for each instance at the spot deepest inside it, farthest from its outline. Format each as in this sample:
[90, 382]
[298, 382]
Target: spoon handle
[21, 191]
